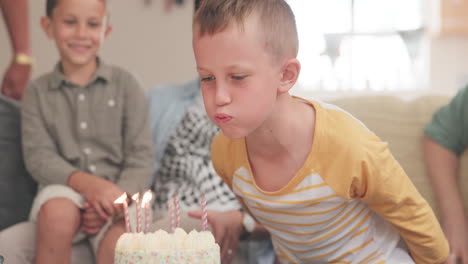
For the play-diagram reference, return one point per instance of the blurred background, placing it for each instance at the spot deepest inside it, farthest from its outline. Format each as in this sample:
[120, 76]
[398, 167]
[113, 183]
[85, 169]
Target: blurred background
[346, 46]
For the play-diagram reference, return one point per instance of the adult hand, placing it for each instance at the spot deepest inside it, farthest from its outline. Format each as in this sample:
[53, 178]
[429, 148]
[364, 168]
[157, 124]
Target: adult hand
[15, 80]
[90, 220]
[227, 228]
[456, 230]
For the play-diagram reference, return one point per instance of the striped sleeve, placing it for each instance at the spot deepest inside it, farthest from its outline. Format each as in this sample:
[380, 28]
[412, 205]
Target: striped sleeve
[385, 187]
[368, 171]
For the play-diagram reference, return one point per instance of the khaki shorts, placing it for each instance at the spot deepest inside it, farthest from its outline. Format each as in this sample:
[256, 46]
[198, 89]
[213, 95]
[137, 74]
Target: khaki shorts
[61, 191]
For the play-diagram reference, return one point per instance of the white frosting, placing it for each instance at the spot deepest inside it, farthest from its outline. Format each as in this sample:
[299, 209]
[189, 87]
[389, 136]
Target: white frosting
[161, 240]
[163, 248]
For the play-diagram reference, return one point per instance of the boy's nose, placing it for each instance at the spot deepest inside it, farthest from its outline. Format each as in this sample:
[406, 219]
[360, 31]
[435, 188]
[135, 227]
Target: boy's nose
[223, 96]
[81, 31]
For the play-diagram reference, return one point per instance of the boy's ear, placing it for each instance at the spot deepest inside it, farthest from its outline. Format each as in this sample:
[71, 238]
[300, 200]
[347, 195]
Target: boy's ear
[107, 31]
[107, 28]
[290, 72]
[47, 27]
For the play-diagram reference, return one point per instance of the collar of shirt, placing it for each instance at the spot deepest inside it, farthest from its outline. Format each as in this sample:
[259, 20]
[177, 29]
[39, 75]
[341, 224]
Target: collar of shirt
[103, 72]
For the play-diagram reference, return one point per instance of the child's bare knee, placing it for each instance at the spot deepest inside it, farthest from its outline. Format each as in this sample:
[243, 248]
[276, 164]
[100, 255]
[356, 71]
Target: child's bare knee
[112, 235]
[114, 232]
[107, 244]
[58, 211]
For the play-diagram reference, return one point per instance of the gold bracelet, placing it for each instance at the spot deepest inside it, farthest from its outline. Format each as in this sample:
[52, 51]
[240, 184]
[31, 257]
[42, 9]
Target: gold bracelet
[24, 59]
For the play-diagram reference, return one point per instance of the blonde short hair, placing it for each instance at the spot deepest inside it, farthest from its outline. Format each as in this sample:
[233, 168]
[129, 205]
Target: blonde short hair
[276, 22]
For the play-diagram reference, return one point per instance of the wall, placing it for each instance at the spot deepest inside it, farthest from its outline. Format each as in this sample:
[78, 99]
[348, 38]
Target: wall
[449, 63]
[156, 46]
[153, 44]
[448, 55]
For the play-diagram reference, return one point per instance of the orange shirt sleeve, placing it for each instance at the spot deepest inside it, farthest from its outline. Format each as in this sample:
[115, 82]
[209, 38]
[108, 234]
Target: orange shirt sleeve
[384, 186]
[358, 165]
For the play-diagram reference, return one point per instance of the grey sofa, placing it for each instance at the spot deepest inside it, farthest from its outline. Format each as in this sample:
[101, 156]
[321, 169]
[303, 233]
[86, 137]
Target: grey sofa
[17, 188]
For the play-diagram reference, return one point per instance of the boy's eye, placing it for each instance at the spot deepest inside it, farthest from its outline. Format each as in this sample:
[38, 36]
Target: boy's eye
[94, 24]
[69, 21]
[207, 79]
[238, 77]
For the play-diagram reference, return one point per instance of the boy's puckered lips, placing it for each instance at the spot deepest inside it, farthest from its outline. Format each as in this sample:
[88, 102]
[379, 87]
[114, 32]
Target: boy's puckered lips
[222, 118]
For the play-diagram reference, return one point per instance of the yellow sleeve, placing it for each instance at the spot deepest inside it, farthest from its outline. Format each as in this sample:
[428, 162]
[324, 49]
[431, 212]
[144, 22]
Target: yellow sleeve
[358, 165]
[385, 187]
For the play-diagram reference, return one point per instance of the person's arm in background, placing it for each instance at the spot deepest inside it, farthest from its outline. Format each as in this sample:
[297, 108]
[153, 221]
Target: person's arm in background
[446, 138]
[442, 168]
[16, 16]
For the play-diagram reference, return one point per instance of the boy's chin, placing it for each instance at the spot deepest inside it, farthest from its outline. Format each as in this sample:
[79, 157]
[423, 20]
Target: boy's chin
[84, 60]
[233, 133]
[81, 59]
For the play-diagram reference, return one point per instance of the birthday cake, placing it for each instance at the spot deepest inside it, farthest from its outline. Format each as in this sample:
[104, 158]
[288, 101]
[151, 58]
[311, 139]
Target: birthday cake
[162, 247]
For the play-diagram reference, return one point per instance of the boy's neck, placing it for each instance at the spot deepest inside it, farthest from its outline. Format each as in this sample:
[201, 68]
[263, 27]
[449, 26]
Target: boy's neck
[279, 149]
[291, 121]
[79, 74]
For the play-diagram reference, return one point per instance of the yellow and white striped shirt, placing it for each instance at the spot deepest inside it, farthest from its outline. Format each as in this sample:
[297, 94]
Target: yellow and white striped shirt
[349, 203]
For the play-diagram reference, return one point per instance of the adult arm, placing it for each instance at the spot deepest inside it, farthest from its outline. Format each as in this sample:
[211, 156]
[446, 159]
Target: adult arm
[443, 169]
[16, 14]
[446, 138]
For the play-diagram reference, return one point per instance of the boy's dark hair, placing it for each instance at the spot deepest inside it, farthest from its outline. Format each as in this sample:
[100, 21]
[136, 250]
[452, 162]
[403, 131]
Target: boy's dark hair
[196, 5]
[276, 21]
[50, 6]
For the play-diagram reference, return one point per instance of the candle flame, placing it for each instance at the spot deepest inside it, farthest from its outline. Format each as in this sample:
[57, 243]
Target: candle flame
[136, 196]
[121, 199]
[147, 197]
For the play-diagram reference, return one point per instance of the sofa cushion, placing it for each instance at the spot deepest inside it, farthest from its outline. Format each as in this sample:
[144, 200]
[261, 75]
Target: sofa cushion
[17, 188]
[400, 122]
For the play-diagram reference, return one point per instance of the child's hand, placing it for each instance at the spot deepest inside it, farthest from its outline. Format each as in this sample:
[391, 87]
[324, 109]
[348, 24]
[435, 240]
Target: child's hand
[456, 231]
[452, 259]
[227, 228]
[90, 220]
[101, 194]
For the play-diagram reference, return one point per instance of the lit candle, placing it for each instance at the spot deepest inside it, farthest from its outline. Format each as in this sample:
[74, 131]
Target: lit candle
[177, 211]
[205, 214]
[123, 200]
[136, 198]
[145, 203]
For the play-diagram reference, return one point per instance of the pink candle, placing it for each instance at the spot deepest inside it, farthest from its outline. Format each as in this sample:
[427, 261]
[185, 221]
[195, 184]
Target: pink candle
[123, 200]
[177, 211]
[171, 216]
[145, 203]
[205, 214]
[136, 198]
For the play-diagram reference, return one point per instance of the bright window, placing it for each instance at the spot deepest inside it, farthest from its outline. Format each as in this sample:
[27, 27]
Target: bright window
[360, 45]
